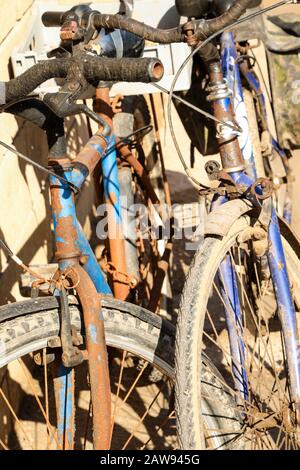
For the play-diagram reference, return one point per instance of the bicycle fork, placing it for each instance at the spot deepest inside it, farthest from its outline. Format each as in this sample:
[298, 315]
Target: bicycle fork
[70, 243]
[233, 163]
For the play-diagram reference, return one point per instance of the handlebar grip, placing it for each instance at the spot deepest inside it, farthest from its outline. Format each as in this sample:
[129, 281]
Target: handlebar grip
[145, 70]
[94, 69]
[53, 18]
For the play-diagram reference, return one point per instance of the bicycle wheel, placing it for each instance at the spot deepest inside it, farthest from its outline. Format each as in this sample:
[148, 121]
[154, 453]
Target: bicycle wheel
[258, 383]
[143, 412]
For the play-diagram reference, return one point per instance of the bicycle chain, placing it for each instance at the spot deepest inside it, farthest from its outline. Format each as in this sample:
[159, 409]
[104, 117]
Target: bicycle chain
[118, 276]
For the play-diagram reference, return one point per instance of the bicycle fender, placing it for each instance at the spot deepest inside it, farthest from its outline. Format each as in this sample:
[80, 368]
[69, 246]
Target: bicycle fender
[221, 219]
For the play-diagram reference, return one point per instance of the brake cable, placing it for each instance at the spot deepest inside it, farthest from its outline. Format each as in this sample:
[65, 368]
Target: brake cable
[11, 255]
[4, 107]
[40, 167]
[185, 63]
[235, 128]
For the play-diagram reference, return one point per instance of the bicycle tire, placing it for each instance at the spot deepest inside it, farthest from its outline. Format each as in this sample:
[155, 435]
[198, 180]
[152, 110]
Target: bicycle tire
[190, 328]
[27, 327]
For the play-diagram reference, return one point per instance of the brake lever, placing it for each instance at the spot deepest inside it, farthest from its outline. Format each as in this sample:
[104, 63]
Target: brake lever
[63, 105]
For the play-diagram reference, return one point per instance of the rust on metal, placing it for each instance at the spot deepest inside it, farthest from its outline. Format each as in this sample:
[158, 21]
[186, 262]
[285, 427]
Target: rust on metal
[66, 231]
[64, 399]
[231, 155]
[92, 152]
[127, 155]
[97, 354]
[115, 234]
[116, 104]
[102, 105]
[120, 277]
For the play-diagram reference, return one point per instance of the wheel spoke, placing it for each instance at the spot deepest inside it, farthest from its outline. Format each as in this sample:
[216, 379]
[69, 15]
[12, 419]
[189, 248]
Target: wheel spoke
[46, 392]
[142, 419]
[9, 406]
[32, 386]
[268, 389]
[118, 390]
[159, 428]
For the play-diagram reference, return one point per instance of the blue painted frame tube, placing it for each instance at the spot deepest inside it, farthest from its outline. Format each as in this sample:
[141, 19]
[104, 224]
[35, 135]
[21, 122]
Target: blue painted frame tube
[65, 407]
[255, 85]
[284, 298]
[231, 72]
[92, 266]
[277, 262]
[233, 315]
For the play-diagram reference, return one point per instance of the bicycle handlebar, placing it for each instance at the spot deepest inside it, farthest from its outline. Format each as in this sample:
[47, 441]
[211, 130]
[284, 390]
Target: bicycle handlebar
[53, 18]
[203, 28]
[94, 69]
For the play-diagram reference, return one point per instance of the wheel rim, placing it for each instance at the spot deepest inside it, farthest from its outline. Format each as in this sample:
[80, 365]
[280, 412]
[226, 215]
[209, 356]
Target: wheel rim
[267, 415]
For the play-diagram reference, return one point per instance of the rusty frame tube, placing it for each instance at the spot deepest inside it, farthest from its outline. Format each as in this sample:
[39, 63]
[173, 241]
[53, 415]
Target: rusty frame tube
[112, 197]
[127, 155]
[97, 355]
[230, 151]
[68, 255]
[64, 390]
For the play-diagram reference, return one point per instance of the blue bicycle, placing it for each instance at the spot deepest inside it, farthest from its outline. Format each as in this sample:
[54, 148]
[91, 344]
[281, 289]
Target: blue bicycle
[240, 305]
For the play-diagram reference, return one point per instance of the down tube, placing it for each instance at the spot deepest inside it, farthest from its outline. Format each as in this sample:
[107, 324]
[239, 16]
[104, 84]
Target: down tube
[63, 377]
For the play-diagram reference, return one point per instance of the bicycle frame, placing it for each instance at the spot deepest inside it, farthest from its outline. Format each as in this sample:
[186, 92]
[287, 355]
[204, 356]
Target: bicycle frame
[276, 257]
[71, 245]
[66, 203]
[255, 86]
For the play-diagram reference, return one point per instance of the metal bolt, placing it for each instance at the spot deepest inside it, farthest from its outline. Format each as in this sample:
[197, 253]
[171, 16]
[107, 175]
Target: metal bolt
[54, 342]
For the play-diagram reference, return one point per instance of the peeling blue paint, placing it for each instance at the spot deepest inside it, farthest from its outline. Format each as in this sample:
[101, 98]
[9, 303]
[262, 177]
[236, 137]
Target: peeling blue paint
[93, 333]
[66, 402]
[92, 266]
[111, 179]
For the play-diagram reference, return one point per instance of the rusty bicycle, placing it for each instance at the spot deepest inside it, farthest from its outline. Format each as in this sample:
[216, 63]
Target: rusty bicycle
[60, 386]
